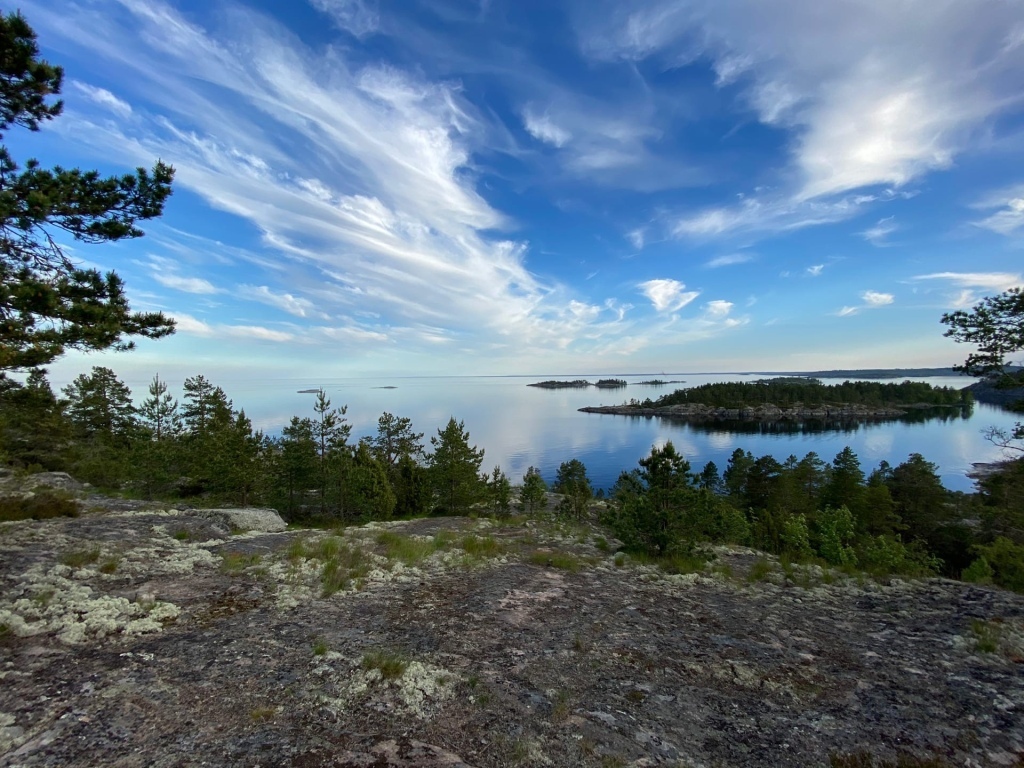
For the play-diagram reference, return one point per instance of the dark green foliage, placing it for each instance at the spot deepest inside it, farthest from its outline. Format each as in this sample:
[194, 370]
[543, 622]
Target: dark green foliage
[33, 429]
[40, 506]
[411, 485]
[499, 491]
[1005, 560]
[366, 492]
[395, 438]
[533, 496]
[845, 484]
[709, 479]
[330, 434]
[99, 407]
[47, 303]
[454, 470]
[104, 422]
[791, 391]
[572, 482]
[835, 536]
[294, 468]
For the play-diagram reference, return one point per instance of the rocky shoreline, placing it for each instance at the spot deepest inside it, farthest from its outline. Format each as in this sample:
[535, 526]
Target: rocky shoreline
[142, 635]
[768, 412]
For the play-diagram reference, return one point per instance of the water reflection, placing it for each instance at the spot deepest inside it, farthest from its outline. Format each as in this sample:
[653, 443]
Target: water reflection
[521, 426]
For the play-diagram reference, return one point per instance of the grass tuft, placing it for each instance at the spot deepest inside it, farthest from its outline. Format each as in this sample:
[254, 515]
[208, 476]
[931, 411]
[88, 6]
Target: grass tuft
[561, 560]
[236, 562]
[480, 546]
[77, 558]
[390, 664]
[343, 566]
[760, 570]
[407, 549]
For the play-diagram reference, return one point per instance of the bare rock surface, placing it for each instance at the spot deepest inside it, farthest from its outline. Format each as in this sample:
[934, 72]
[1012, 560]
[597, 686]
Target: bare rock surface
[152, 637]
[248, 519]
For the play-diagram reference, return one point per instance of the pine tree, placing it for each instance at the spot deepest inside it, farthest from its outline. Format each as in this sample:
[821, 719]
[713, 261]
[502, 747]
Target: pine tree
[534, 493]
[454, 469]
[159, 411]
[47, 303]
[572, 482]
[395, 438]
[330, 433]
[500, 491]
[99, 405]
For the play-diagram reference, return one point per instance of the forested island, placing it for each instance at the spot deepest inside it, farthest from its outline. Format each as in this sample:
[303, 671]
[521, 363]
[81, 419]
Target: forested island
[793, 398]
[581, 384]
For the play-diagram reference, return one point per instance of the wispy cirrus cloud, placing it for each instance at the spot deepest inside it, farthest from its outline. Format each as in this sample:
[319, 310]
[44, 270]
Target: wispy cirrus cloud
[1007, 208]
[103, 98]
[380, 200]
[869, 96]
[358, 17]
[185, 284]
[815, 270]
[875, 96]
[879, 233]
[992, 281]
[729, 260]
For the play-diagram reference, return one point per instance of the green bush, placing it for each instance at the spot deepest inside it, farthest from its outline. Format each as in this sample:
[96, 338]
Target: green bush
[1006, 560]
[835, 532]
[796, 537]
[888, 554]
[978, 572]
[41, 506]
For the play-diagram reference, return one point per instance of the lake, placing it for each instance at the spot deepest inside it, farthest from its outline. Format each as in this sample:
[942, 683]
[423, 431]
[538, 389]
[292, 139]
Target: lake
[519, 426]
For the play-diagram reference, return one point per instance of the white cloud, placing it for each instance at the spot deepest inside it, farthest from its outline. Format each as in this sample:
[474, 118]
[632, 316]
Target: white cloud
[718, 308]
[877, 299]
[989, 281]
[729, 259]
[636, 238]
[667, 295]
[872, 93]
[187, 324]
[877, 234]
[815, 270]
[542, 128]
[847, 311]
[104, 98]
[185, 284]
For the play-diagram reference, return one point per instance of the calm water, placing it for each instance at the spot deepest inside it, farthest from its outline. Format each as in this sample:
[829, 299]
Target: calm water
[519, 426]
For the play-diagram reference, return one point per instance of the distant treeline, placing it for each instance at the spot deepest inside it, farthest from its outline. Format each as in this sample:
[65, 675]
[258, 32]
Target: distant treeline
[791, 391]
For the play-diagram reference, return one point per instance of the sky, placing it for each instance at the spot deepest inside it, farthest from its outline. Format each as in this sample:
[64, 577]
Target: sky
[425, 187]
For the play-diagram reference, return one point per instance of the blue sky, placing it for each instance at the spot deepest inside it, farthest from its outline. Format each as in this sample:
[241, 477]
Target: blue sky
[517, 186]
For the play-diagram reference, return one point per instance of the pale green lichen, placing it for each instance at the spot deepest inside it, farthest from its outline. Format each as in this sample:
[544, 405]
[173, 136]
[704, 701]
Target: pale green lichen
[48, 600]
[420, 690]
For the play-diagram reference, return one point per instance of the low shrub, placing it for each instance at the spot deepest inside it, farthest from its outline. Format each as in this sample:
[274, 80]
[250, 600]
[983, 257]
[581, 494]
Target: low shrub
[41, 506]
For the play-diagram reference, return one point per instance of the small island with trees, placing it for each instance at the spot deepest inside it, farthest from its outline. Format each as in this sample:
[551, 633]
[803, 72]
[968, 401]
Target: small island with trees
[793, 398]
[582, 384]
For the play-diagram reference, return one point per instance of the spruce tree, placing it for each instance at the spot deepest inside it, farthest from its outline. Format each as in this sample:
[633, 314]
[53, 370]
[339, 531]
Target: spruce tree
[454, 469]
